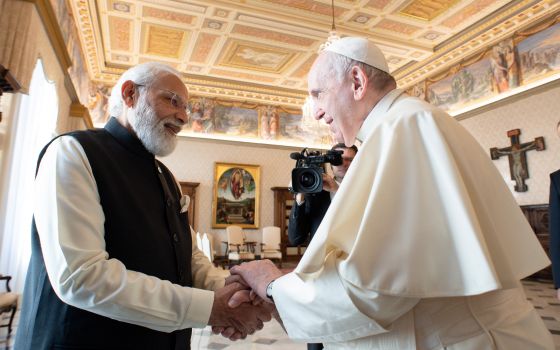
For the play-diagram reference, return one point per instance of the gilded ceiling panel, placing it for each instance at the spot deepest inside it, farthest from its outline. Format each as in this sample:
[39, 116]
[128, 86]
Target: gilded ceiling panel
[309, 5]
[255, 56]
[396, 27]
[466, 13]
[427, 10]
[172, 16]
[149, 59]
[378, 4]
[272, 35]
[121, 58]
[204, 44]
[301, 72]
[267, 43]
[120, 32]
[163, 41]
[246, 76]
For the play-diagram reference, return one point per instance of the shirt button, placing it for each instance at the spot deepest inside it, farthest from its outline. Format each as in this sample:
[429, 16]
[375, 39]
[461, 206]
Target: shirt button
[175, 237]
[168, 202]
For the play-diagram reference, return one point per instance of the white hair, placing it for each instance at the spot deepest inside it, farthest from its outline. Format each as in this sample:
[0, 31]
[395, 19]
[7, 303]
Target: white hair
[142, 74]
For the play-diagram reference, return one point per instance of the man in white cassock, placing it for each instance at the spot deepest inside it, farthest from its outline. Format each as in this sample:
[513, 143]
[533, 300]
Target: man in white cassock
[423, 247]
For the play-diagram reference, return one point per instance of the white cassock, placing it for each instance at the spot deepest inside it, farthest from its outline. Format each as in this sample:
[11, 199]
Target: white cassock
[422, 248]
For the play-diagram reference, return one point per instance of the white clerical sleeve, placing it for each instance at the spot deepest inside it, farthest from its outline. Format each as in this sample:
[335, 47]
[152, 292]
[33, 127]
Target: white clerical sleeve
[320, 307]
[69, 220]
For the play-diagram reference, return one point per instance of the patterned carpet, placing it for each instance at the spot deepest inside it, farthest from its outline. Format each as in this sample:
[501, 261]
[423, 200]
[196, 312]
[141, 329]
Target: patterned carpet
[540, 293]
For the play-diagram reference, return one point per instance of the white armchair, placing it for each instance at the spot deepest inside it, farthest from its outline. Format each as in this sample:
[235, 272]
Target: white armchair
[237, 251]
[270, 246]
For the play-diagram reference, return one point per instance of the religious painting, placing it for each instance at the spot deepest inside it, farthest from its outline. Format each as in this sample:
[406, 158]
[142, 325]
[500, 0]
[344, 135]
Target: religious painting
[256, 56]
[539, 54]
[505, 69]
[268, 122]
[306, 132]
[418, 90]
[208, 116]
[236, 195]
[469, 85]
[242, 121]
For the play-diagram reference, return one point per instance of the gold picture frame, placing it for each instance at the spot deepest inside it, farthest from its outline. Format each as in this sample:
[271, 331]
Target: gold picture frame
[236, 195]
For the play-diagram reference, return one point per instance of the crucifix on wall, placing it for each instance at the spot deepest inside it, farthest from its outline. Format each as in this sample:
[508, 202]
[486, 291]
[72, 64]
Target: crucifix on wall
[517, 156]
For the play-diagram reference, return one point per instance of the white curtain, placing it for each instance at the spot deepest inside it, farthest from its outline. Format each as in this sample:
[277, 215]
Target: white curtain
[33, 126]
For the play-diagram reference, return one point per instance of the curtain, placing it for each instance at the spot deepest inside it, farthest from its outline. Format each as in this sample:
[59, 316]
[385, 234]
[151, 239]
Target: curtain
[33, 127]
[18, 44]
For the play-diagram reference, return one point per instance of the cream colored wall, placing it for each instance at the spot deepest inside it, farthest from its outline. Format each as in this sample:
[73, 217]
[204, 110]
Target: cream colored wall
[536, 114]
[193, 160]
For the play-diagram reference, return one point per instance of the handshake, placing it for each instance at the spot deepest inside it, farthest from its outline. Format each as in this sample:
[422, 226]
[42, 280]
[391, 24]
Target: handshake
[241, 307]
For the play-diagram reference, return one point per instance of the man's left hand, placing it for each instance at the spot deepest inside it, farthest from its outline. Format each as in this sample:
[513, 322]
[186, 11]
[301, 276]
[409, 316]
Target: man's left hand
[257, 274]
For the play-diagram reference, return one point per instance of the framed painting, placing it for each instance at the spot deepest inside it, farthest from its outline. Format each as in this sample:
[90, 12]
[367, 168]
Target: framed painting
[236, 195]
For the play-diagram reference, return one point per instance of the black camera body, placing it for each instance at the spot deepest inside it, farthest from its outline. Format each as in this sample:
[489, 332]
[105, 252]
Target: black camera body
[307, 176]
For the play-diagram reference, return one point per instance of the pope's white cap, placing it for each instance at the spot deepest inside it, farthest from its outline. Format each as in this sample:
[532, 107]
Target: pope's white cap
[360, 49]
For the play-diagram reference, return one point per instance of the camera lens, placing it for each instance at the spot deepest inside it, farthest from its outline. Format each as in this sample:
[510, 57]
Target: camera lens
[307, 179]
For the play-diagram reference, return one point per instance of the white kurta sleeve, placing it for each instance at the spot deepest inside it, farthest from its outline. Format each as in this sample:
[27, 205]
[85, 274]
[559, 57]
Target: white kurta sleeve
[205, 274]
[70, 222]
[321, 307]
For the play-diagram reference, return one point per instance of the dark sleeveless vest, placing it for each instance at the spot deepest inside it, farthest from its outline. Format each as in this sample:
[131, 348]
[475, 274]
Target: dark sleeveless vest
[144, 229]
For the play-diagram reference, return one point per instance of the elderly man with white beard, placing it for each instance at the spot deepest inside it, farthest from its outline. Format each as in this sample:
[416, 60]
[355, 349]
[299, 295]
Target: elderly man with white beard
[113, 263]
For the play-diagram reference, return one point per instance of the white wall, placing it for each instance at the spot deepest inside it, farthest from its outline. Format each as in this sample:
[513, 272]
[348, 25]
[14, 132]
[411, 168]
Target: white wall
[536, 114]
[193, 160]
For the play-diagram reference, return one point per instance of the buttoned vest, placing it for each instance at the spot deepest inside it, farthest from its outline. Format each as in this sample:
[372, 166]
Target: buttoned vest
[144, 229]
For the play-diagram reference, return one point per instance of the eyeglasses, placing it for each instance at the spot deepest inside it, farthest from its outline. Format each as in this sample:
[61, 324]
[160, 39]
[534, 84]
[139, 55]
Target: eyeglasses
[175, 100]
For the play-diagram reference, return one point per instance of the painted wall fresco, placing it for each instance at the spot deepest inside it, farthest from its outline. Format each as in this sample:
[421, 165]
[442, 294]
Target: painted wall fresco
[525, 58]
[470, 84]
[212, 118]
[539, 54]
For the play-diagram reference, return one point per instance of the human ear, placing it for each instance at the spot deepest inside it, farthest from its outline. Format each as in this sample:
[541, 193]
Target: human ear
[128, 92]
[359, 82]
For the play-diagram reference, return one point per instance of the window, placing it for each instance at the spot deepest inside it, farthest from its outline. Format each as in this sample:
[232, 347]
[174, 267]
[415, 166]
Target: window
[33, 126]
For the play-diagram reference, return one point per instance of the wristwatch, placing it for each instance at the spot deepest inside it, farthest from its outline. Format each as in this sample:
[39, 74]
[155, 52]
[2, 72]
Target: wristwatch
[269, 290]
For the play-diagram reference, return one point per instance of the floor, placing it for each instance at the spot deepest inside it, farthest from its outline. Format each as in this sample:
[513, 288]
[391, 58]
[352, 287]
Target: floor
[540, 293]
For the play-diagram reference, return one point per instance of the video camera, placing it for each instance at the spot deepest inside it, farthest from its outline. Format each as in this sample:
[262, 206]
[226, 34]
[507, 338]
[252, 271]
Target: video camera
[307, 176]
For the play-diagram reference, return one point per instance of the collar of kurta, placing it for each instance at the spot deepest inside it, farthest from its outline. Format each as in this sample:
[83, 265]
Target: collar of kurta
[378, 110]
[127, 139]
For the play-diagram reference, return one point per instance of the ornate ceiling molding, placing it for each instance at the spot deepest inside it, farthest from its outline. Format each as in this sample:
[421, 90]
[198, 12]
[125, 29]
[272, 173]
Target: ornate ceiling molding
[498, 27]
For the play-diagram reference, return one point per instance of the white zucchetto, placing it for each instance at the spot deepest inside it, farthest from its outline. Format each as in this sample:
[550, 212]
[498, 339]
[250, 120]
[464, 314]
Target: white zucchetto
[360, 49]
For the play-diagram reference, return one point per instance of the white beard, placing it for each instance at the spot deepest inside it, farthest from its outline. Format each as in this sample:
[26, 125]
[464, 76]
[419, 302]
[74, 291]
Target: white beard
[151, 130]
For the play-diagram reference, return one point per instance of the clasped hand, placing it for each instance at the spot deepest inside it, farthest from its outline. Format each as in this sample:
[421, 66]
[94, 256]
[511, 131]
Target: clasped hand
[242, 306]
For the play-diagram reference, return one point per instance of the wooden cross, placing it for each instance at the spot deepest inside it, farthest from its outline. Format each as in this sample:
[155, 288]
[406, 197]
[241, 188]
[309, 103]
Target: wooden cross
[517, 157]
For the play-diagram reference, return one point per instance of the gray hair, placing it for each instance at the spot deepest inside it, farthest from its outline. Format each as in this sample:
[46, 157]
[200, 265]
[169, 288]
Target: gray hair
[340, 66]
[143, 74]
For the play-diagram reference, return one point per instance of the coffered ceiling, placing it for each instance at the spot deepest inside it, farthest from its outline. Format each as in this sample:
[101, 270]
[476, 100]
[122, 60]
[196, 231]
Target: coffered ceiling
[261, 50]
